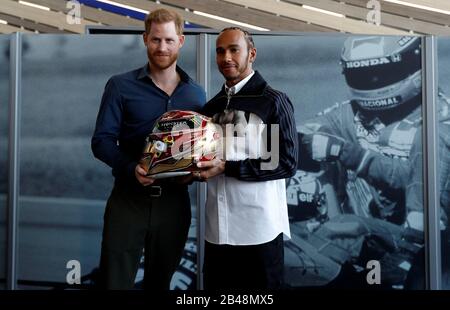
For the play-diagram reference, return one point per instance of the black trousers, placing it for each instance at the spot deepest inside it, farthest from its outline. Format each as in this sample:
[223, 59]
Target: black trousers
[134, 221]
[244, 267]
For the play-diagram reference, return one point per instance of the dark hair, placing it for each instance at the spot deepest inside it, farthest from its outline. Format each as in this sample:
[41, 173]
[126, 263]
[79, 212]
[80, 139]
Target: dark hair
[161, 16]
[247, 36]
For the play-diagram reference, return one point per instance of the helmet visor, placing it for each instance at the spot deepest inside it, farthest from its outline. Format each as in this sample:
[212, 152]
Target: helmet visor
[375, 73]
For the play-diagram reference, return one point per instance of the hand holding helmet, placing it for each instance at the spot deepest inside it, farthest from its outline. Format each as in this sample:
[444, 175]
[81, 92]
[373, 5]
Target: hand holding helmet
[178, 141]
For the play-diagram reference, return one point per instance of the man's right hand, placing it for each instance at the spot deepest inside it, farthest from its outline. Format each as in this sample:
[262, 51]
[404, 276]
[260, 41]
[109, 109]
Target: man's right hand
[140, 174]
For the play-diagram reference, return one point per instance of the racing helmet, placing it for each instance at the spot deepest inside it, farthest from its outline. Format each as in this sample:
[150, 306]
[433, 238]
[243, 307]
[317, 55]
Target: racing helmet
[306, 197]
[178, 141]
[382, 72]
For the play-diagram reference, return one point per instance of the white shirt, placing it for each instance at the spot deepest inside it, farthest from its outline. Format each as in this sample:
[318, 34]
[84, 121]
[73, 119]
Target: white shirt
[242, 212]
[236, 88]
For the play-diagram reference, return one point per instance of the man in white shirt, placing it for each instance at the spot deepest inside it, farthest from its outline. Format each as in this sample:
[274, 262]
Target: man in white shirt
[246, 209]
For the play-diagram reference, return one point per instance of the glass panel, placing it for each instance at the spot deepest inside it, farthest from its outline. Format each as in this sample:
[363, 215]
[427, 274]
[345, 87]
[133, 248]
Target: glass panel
[346, 203]
[4, 111]
[63, 187]
[444, 153]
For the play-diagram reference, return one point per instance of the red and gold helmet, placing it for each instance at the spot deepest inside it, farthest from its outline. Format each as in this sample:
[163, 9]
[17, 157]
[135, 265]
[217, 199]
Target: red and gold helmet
[178, 141]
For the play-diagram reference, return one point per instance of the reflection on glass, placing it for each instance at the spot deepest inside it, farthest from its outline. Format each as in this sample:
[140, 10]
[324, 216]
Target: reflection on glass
[63, 187]
[358, 113]
[4, 102]
[444, 154]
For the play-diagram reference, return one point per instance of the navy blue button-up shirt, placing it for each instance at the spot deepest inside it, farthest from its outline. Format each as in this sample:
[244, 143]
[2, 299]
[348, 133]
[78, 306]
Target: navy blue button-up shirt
[131, 104]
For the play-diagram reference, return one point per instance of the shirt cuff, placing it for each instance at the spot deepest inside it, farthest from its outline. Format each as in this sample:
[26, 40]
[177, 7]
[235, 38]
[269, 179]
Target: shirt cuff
[130, 172]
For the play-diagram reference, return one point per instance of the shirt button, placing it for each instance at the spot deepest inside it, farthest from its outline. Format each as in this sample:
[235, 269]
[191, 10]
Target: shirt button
[221, 198]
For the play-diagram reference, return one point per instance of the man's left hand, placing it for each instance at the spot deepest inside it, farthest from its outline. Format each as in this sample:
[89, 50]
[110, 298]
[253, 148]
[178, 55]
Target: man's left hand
[211, 168]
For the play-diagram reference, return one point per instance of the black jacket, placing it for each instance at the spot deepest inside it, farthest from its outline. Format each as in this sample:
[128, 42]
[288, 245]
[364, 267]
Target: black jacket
[272, 107]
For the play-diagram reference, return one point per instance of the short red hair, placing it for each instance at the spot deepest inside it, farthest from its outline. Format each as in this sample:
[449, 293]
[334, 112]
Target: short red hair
[162, 16]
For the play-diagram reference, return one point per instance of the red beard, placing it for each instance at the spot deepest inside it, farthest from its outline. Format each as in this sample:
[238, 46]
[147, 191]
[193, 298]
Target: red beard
[162, 62]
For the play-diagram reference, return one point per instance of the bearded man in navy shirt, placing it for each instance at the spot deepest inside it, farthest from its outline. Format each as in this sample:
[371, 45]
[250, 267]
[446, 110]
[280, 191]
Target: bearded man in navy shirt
[144, 213]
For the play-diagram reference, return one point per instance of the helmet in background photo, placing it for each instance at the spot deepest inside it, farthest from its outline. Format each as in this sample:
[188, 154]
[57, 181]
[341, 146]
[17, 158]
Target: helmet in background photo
[306, 197]
[382, 72]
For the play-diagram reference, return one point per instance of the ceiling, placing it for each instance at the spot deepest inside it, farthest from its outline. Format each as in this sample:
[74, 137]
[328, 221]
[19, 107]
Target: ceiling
[349, 16]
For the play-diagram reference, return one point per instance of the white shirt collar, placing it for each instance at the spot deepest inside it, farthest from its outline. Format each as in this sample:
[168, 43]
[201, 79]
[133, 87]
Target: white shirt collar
[239, 85]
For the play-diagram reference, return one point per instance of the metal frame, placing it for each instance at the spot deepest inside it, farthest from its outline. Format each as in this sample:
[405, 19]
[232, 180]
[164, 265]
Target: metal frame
[100, 29]
[203, 77]
[430, 146]
[13, 160]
